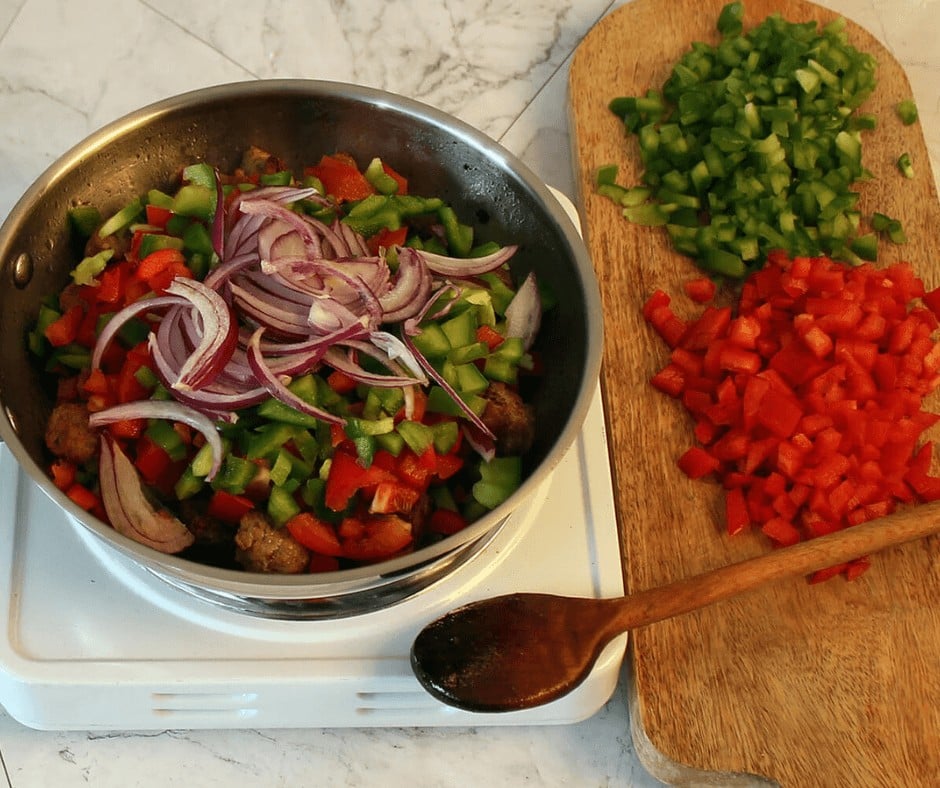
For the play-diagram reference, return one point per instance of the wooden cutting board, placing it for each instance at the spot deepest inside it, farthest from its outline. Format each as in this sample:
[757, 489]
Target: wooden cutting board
[835, 684]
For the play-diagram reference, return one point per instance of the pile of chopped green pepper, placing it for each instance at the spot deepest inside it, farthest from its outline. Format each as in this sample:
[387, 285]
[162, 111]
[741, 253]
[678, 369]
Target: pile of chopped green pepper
[754, 144]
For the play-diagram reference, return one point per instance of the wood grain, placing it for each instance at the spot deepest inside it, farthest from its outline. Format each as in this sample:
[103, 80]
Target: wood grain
[827, 685]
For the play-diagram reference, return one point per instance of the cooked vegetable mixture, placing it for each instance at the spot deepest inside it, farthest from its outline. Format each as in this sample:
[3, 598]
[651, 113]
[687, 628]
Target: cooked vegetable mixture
[288, 372]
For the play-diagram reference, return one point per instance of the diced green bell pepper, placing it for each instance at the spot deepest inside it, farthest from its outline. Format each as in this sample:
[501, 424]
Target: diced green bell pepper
[419, 437]
[194, 200]
[161, 432]
[200, 174]
[499, 478]
[281, 505]
[152, 242]
[381, 181]
[122, 218]
[86, 271]
[84, 219]
[235, 474]
[459, 236]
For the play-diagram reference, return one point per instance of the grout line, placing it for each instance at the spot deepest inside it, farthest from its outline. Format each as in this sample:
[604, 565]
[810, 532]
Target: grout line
[12, 20]
[192, 35]
[6, 772]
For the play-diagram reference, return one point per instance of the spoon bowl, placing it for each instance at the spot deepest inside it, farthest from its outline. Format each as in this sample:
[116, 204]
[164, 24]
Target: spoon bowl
[522, 650]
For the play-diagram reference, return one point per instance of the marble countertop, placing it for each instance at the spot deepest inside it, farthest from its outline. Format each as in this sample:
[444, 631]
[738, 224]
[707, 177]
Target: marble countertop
[67, 68]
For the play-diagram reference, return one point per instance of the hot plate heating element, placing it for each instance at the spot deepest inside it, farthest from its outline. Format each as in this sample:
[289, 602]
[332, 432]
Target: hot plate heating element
[92, 641]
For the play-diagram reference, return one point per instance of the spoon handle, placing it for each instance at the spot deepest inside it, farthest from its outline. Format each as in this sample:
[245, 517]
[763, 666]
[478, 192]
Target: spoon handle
[684, 596]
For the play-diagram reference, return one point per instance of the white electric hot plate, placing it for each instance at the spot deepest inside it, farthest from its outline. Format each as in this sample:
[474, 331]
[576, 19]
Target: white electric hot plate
[93, 641]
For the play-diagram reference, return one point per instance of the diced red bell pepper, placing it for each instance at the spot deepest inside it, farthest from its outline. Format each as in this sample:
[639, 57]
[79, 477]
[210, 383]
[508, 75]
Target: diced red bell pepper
[83, 497]
[111, 284]
[96, 383]
[415, 471]
[446, 521]
[696, 463]
[63, 474]
[668, 325]
[64, 330]
[159, 268]
[314, 534]
[701, 289]
[229, 507]
[128, 387]
[781, 531]
[391, 497]
[419, 405]
[385, 239]
[340, 382]
[490, 336]
[669, 380]
[151, 460]
[447, 465]
[374, 537]
[157, 216]
[808, 404]
[341, 178]
[347, 476]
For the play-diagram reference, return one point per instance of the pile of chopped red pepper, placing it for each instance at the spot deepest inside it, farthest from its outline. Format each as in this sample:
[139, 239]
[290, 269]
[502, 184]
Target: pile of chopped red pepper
[808, 395]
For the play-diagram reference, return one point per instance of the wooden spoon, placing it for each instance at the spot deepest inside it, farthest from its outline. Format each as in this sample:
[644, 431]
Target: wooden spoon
[522, 650]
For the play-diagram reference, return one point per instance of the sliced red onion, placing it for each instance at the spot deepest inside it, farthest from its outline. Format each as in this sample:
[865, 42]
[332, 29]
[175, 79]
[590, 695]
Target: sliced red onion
[274, 285]
[285, 245]
[411, 289]
[121, 317]
[274, 348]
[372, 271]
[524, 313]
[340, 360]
[209, 400]
[484, 445]
[467, 266]
[283, 194]
[295, 221]
[129, 510]
[219, 334]
[336, 240]
[170, 411]
[397, 350]
[271, 232]
[277, 389]
[298, 271]
[328, 316]
[286, 320]
[354, 240]
[439, 379]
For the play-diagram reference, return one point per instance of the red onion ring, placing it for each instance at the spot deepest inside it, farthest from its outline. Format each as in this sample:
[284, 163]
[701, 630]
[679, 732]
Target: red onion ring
[219, 334]
[168, 410]
[341, 361]
[277, 389]
[524, 313]
[121, 317]
[129, 509]
[462, 267]
[209, 400]
[411, 289]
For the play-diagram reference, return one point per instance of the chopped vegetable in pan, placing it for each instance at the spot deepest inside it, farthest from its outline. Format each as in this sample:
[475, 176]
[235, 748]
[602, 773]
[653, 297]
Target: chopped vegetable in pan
[288, 373]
